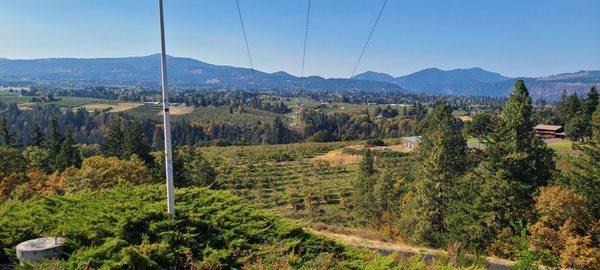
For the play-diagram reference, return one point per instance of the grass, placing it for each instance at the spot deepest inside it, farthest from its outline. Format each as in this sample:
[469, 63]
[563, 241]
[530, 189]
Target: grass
[472, 140]
[145, 111]
[114, 107]
[14, 99]
[561, 145]
[63, 102]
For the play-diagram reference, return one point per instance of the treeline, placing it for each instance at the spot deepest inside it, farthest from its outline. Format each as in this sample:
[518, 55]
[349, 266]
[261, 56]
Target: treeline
[56, 165]
[509, 199]
[91, 127]
[319, 126]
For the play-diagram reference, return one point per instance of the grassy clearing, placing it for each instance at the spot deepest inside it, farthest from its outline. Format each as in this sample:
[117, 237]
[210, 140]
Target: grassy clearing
[14, 99]
[145, 111]
[472, 140]
[560, 145]
[78, 101]
[114, 107]
[63, 102]
[178, 110]
[339, 157]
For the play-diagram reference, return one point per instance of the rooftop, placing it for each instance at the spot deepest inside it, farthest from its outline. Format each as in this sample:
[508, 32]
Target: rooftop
[414, 138]
[547, 127]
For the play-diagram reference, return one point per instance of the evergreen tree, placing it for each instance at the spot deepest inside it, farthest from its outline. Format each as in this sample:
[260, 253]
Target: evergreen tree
[568, 107]
[366, 164]
[578, 127]
[37, 136]
[584, 174]
[68, 155]
[513, 145]
[56, 137]
[158, 139]
[590, 104]
[9, 138]
[114, 141]
[384, 196]
[592, 101]
[595, 124]
[440, 160]
[363, 205]
[515, 165]
[135, 143]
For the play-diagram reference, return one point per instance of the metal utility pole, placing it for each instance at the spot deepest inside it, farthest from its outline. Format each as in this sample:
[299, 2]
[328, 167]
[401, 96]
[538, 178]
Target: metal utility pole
[167, 117]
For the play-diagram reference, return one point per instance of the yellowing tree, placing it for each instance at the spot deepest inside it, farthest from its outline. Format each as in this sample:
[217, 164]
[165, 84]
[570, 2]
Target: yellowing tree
[99, 172]
[562, 234]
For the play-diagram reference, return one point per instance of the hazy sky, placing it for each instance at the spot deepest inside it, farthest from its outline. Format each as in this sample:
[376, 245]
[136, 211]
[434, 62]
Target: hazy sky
[513, 37]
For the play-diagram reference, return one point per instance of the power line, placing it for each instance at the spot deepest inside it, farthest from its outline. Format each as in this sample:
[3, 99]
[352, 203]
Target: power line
[246, 39]
[305, 39]
[366, 43]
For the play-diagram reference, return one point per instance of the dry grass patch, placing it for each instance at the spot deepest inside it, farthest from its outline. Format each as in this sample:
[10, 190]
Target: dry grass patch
[117, 107]
[178, 110]
[399, 148]
[338, 157]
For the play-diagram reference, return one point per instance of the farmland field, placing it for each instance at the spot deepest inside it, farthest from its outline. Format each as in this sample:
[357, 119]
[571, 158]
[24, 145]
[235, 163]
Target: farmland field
[145, 111]
[63, 102]
[114, 107]
[14, 99]
[278, 176]
[205, 115]
[303, 181]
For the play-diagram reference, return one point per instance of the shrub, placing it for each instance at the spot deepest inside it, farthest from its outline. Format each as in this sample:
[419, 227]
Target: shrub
[128, 227]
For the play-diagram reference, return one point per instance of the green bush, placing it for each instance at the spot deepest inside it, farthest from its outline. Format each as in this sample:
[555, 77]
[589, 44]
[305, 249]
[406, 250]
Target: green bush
[128, 227]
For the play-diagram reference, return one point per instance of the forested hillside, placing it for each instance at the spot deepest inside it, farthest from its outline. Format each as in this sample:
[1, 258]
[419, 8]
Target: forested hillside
[327, 165]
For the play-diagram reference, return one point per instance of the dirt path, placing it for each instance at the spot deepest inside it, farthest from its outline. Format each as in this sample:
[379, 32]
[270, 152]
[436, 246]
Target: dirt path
[406, 250]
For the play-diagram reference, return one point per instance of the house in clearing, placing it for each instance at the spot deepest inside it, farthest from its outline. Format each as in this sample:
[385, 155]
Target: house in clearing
[549, 131]
[411, 142]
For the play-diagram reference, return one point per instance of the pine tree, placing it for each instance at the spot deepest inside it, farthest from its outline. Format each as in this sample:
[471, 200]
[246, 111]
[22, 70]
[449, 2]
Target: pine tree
[158, 139]
[56, 137]
[135, 143]
[440, 159]
[584, 174]
[578, 127]
[114, 141]
[515, 165]
[591, 102]
[366, 164]
[363, 205]
[37, 137]
[568, 107]
[9, 138]
[514, 145]
[595, 124]
[68, 155]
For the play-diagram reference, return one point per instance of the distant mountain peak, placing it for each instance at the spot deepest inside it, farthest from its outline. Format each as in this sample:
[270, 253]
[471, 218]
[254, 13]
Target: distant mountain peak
[374, 76]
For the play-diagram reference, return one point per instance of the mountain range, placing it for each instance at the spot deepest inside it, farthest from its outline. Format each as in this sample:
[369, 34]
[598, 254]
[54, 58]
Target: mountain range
[145, 70]
[479, 82]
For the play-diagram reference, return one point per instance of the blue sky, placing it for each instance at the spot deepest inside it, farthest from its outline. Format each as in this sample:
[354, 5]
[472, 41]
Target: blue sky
[515, 38]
